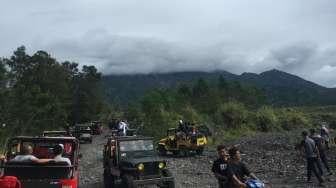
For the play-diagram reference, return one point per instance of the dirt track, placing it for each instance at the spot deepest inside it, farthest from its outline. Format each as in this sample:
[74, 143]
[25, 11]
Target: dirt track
[271, 156]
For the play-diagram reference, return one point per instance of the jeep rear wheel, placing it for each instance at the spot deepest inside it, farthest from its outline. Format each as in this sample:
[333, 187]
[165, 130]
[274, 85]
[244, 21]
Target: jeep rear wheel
[176, 152]
[128, 182]
[199, 151]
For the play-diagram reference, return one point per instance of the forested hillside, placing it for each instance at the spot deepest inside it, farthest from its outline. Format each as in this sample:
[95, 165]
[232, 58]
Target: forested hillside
[37, 92]
[281, 88]
[228, 108]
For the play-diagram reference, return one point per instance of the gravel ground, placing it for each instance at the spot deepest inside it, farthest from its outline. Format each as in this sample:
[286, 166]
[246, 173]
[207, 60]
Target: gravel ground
[270, 156]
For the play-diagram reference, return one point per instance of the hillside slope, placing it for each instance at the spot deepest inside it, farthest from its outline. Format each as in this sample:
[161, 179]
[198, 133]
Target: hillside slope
[281, 88]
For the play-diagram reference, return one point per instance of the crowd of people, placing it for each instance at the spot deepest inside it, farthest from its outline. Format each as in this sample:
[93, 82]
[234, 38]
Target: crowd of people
[314, 147]
[231, 172]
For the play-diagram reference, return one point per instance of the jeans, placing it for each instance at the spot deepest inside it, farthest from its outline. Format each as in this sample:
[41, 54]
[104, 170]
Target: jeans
[324, 160]
[312, 163]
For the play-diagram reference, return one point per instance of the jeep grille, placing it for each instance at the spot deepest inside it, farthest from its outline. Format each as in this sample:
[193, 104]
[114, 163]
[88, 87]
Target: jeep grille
[151, 169]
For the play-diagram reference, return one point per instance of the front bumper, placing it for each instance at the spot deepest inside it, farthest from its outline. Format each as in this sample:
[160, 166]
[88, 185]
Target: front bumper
[85, 138]
[160, 180]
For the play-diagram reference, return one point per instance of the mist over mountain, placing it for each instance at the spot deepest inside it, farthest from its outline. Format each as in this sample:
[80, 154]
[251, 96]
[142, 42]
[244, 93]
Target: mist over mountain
[281, 88]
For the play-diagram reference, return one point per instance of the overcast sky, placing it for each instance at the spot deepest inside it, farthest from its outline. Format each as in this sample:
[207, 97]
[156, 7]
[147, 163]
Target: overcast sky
[143, 36]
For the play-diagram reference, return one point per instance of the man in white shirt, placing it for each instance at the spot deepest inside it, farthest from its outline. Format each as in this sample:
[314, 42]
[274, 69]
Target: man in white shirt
[123, 128]
[58, 151]
[27, 156]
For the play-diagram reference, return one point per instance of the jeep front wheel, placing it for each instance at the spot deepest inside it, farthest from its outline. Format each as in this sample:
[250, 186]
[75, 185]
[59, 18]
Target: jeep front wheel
[199, 151]
[162, 150]
[108, 180]
[168, 184]
[128, 182]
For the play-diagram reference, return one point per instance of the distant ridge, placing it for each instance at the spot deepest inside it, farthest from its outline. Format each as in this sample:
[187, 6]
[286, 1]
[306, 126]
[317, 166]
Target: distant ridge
[281, 88]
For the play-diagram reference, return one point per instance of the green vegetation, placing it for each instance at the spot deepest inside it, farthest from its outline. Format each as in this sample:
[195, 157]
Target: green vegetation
[37, 92]
[230, 109]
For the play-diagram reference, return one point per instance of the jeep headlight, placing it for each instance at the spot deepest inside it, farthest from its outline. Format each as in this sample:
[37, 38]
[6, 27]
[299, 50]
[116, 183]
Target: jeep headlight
[162, 165]
[141, 167]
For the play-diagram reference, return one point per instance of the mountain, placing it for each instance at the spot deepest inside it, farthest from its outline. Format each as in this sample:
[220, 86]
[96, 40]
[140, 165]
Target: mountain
[281, 88]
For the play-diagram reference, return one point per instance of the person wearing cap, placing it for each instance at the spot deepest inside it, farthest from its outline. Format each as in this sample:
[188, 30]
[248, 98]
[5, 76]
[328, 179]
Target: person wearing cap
[58, 151]
[220, 167]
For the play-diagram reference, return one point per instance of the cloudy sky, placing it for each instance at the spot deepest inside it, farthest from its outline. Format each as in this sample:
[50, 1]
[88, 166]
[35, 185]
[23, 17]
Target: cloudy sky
[144, 36]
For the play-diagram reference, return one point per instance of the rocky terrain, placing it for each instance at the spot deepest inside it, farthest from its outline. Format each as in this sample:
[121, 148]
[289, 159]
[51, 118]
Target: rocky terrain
[271, 157]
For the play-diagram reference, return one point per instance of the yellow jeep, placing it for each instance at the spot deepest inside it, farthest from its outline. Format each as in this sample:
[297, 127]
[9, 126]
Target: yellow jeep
[178, 142]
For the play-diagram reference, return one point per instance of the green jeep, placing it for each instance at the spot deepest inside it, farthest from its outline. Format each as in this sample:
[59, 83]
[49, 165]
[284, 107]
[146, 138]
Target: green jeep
[131, 161]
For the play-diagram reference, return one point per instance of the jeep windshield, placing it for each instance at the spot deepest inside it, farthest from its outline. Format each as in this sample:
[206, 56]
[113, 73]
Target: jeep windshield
[136, 145]
[136, 148]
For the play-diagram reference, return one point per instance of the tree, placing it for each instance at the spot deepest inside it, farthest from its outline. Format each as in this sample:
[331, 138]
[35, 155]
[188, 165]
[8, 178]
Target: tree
[40, 92]
[201, 88]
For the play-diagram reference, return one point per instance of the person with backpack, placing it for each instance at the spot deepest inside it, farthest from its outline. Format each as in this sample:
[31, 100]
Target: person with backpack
[311, 155]
[321, 146]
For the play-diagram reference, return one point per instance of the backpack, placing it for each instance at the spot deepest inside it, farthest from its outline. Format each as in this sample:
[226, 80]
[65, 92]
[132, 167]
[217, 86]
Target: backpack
[9, 182]
[254, 184]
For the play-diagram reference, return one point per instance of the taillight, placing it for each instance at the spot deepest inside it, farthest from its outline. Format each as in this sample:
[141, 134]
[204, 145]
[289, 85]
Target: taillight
[69, 183]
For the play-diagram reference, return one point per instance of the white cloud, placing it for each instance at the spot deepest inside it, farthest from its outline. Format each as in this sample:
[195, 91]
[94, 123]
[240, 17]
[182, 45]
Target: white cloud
[128, 36]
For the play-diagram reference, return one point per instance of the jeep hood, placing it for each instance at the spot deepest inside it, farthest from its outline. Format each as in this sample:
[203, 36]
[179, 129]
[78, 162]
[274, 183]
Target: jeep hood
[135, 161]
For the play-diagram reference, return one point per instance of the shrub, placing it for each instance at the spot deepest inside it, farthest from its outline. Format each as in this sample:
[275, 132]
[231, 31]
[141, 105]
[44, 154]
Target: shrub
[266, 120]
[291, 119]
[232, 115]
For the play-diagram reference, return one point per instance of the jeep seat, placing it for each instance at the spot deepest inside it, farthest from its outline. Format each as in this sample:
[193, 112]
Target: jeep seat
[31, 170]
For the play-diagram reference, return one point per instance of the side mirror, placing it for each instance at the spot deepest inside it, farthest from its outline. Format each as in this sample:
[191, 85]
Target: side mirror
[80, 156]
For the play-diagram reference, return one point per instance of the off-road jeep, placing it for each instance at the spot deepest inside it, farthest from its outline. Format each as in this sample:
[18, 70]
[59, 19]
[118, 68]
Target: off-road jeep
[178, 142]
[83, 133]
[132, 161]
[55, 133]
[97, 127]
[49, 175]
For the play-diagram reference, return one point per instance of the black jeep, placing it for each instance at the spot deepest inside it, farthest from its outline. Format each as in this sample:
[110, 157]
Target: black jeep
[97, 127]
[130, 161]
[48, 175]
[83, 133]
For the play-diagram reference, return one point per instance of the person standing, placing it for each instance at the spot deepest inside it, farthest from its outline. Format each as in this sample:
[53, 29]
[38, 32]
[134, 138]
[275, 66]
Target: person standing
[220, 167]
[325, 135]
[122, 128]
[311, 155]
[320, 144]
